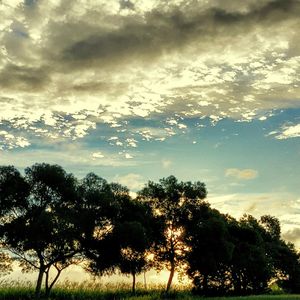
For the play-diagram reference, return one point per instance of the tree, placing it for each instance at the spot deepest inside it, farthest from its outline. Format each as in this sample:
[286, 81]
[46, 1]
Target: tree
[288, 265]
[169, 201]
[284, 257]
[118, 240]
[210, 250]
[133, 246]
[13, 190]
[39, 221]
[250, 267]
[135, 231]
[96, 211]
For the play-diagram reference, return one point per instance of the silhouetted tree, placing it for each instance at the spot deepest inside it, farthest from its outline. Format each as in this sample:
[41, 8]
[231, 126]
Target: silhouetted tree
[123, 245]
[169, 200]
[135, 231]
[38, 226]
[288, 264]
[284, 257]
[210, 250]
[97, 210]
[251, 267]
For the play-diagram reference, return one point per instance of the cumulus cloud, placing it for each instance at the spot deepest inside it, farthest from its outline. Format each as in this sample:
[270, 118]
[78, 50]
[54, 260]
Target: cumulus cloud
[242, 174]
[111, 61]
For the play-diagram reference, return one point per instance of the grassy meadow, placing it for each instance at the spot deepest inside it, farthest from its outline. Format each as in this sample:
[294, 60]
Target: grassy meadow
[95, 290]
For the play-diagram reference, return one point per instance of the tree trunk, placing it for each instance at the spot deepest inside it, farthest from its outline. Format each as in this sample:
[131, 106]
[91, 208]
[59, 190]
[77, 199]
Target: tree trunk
[47, 282]
[39, 283]
[133, 282]
[145, 281]
[205, 284]
[50, 286]
[172, 272]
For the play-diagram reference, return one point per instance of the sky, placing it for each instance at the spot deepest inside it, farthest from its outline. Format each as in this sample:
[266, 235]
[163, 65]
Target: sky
[138, 90]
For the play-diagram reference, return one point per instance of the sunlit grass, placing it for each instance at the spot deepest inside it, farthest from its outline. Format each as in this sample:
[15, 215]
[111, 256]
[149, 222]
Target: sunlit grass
[92, 290]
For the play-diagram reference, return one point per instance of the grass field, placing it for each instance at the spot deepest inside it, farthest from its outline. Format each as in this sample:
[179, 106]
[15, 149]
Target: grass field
[95, 291]
[61, 294]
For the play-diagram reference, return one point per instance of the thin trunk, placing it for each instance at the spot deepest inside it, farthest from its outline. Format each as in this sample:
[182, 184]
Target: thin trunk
[50, 286]
[205, 284]
[39, 282]
[133, 282]
[47, 279]
[172, 272]
[145, 281]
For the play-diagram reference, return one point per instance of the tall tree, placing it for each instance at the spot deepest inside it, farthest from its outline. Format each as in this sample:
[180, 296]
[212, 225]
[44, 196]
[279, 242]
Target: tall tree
[135, 232]
[250, 267]
[118, 240]
[210, 250]
[98, 209]
[169, 200]
[38, 227]
[284, 258]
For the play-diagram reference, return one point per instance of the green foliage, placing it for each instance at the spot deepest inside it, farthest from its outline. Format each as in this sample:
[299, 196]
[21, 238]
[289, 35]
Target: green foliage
[210, 250]
[171, 201]
[123, 237]
[38, 228]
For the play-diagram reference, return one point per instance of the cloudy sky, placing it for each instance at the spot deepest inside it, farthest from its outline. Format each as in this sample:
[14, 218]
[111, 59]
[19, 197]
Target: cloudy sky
[140, 89]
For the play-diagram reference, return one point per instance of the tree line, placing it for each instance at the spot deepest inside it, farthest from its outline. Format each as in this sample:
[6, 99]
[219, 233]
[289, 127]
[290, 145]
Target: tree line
[51, 220]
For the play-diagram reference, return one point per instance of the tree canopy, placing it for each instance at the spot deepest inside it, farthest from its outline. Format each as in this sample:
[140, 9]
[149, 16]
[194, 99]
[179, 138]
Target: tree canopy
[170, 201]
[50, 220]
[37, 218]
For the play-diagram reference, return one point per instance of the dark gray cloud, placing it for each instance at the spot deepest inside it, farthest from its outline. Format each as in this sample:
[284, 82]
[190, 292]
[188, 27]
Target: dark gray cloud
[31, 79]
[126, 4]
[158, 32]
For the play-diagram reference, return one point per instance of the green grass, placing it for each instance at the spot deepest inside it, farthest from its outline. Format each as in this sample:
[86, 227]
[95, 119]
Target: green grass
[100, 291]
[61, 294]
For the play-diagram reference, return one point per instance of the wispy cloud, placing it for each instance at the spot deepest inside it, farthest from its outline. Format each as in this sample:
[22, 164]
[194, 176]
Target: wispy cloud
[242, 174]
[292, 235]
[166, 163]
[259, 204]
